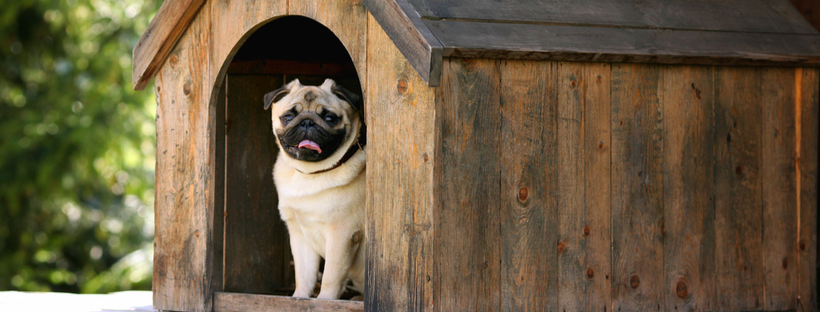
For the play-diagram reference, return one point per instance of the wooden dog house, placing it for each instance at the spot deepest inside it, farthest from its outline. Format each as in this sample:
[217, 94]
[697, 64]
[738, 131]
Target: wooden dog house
[594, 155]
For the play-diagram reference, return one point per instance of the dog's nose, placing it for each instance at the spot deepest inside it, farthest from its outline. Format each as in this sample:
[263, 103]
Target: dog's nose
[307, 123]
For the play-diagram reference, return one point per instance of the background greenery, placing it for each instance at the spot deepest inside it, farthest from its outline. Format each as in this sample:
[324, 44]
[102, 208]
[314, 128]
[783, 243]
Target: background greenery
[76, 147]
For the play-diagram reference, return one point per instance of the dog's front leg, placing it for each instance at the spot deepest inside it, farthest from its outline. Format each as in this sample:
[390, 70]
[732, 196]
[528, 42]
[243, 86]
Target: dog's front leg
[305, 262]
[341, 250]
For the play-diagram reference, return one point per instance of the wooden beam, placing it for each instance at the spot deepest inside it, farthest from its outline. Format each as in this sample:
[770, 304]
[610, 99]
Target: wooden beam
[230, 302]
[160, 37]
[602, 44]
[409, 33]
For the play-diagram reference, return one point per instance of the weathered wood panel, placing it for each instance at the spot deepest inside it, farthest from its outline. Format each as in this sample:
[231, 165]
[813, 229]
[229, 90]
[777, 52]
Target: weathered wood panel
[234, 302]
[160, 38]
[185, 188]
[231, 24]
[807, 115]
[468, 238]
[637, 189]
[778, 189]
[584, 201]
[772, 16]
[347, 20]
[400, 183]
[217, 214]
[738, 211]
[810, 9]
[689, 187]
[604, 44]
[257, 250]
[407, 31]
[529, 185]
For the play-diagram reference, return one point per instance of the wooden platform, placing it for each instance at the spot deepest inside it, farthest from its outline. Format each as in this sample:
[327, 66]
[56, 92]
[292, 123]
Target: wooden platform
[15, 301]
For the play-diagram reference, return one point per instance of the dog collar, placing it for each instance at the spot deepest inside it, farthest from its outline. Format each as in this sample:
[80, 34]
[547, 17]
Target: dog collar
[350, 152]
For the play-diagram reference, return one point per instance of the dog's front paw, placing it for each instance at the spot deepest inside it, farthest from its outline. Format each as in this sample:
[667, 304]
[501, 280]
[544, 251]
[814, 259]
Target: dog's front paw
[301, 294]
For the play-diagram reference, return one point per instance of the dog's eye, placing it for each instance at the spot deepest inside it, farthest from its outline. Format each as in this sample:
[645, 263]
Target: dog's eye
[287, 118]
[331, 119]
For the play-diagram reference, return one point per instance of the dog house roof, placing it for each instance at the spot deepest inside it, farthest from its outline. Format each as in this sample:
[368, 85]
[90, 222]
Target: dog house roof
[711, 32]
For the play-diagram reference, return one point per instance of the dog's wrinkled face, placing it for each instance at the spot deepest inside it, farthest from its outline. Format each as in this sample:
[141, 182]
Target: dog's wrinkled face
[312, 122]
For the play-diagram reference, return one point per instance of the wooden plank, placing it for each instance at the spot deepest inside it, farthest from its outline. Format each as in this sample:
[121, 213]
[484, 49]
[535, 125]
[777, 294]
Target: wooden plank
[160, 37]
[779, 192]
[257, 249]
[290, 68]
[576, 43]
[739, 279]
[584, 200]
[468, 238]
[689, 187]
[185, 188]
[807, 115]
[347, 20]
[771, 16]
[400, 181]
[637, 189]
[217, 214]
[409, 33]
[235, 302]
[529, 185]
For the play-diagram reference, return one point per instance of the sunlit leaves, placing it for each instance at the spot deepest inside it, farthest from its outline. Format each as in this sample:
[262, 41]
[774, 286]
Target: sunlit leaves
[76, 145]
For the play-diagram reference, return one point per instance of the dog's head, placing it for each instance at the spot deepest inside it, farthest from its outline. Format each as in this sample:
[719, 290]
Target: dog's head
[312, 123]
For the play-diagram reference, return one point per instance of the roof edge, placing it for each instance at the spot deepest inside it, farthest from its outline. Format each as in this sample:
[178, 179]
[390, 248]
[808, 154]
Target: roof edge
[410, 34]
[160, 37]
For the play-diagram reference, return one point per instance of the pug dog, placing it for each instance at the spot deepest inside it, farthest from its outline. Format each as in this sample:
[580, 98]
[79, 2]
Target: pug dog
[320, 178]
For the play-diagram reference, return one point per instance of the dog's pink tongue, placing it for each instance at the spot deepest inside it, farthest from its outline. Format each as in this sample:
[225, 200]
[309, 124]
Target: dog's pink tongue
[310, 145]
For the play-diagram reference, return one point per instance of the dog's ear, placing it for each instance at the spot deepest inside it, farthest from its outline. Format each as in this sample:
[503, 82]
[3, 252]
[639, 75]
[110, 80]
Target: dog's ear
[275, 95]
[348, 96]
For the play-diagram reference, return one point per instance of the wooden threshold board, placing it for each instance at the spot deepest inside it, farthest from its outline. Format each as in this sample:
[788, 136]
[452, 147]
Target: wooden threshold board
[235, 302]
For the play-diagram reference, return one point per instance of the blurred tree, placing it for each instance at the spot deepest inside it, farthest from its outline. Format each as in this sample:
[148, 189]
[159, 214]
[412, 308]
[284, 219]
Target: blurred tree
[76, 147]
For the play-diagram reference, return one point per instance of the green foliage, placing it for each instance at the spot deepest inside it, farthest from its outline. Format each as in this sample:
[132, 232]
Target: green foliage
[76, 147]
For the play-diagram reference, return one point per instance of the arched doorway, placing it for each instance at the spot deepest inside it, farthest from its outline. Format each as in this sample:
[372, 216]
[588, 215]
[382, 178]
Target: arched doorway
[256, 251]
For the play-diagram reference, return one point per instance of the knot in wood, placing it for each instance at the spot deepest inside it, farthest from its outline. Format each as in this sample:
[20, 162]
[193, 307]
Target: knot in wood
[425, 157]
[561, 247]
[590, 273]
[523, 193]
[186, 88]
[634, 281]
[739, 170]
[802, 245]
[572, 83]
[586, 230]
[681, 289]
[402, 86]
[785, 263]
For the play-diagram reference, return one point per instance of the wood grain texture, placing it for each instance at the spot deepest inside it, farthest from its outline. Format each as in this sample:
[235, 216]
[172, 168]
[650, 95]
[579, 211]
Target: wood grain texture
[347, 20]
[236, 302]
[400, 181]
[637, 189]
[774, 16]
[257, 249]
[468, 238]
[584, 200]
[601, 44]
[409, 33]
[739, 281]
[162, 34]
[185, 189]
[778, 186]
[686, 96]
[529, 185]
[807, 115]
[233, 22]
